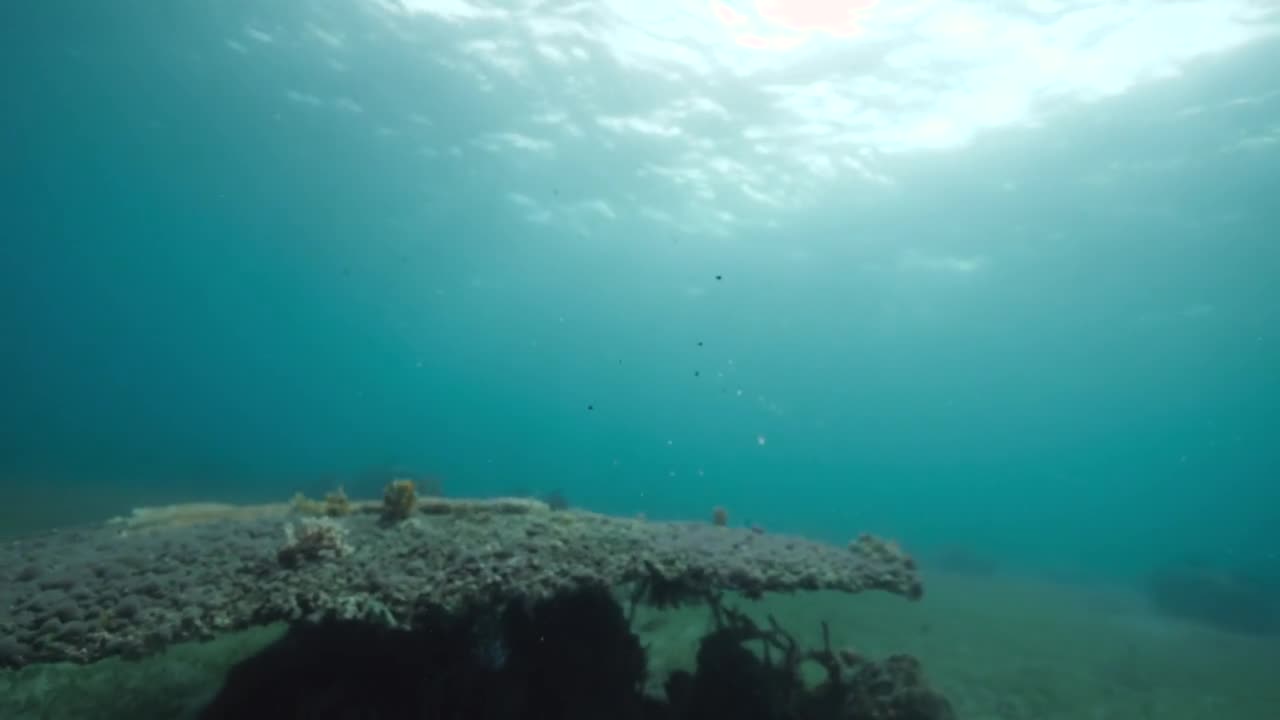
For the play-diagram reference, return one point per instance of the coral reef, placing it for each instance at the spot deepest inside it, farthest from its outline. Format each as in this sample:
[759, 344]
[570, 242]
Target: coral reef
[336, 503]
[313, 539]
[103, 591]
[398, 500]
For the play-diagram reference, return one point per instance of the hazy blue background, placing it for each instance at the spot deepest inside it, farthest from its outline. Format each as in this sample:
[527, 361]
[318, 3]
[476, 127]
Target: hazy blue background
[1000, 278]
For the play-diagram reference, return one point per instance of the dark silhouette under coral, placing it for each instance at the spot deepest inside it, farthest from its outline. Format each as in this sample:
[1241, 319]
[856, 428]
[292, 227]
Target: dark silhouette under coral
[570, 657]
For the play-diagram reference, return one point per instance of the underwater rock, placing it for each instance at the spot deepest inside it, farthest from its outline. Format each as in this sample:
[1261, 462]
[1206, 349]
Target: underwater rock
[194, 579]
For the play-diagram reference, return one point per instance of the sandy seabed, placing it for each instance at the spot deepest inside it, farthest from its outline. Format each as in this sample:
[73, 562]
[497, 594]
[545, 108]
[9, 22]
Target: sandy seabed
[1018, 649]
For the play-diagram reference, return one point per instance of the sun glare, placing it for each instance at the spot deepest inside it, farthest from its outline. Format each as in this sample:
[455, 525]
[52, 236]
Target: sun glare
[784, 24]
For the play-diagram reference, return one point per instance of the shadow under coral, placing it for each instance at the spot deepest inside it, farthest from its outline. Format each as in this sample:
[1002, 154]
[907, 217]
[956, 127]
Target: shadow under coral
[572, 657]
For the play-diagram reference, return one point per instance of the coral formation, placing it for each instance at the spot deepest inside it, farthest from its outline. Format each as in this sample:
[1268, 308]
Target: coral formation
[336, 503]
[96, 592]
[398, 500]
[886, 551]
[312, 539]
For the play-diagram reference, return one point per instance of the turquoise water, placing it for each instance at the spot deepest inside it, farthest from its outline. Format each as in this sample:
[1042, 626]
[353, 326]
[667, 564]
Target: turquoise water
[1002, 279]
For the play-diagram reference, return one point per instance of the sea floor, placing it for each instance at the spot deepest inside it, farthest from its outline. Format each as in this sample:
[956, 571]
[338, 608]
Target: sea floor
[998, 648]
[1017, 649]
